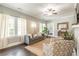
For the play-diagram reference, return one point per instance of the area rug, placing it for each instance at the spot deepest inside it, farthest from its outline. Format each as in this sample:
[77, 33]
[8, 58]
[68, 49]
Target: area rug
[36, 48]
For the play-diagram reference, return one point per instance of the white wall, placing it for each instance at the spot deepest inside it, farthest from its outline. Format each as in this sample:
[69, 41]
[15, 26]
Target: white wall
[71, 19]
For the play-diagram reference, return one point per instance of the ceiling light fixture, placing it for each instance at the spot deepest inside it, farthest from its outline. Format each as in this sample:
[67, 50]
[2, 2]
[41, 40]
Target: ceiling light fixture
[49, 11]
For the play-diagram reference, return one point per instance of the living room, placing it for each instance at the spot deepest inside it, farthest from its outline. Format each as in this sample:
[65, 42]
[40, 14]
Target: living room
[39, 29]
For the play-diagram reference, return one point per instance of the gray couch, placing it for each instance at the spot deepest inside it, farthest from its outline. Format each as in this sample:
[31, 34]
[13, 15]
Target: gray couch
[31, 40]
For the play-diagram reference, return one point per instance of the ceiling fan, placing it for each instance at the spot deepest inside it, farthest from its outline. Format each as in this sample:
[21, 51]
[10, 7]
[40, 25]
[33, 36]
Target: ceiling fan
[50, 12]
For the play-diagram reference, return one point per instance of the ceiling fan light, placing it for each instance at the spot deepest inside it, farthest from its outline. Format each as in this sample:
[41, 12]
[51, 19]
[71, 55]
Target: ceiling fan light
[49, 11]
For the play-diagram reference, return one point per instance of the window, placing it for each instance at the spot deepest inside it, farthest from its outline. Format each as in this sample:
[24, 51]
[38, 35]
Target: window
[21, 27]
[33, 24]
[51, 28]
[42, 25]
[11, 26]
[15, 26]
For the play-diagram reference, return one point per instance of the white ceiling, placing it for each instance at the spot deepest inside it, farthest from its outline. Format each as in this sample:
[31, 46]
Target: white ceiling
[36, 9]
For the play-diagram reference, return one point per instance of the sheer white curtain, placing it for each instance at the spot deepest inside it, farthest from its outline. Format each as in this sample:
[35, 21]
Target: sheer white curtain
[7, 23]
[22, 30]
[12, 26]
[2, 30]
[2, 25]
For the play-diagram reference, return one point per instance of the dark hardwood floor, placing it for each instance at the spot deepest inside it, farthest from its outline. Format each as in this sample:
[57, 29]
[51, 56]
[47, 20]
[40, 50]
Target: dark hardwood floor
[16, 51]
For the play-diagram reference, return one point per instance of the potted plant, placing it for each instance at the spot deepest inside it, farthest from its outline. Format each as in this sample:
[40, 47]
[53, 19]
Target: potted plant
[68, 36]
[45, 31]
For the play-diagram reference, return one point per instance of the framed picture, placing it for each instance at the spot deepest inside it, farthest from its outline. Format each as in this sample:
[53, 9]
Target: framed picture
[62, 26]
